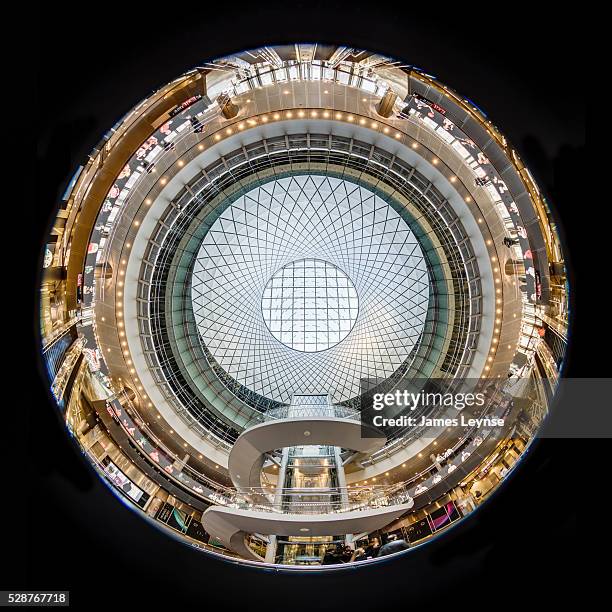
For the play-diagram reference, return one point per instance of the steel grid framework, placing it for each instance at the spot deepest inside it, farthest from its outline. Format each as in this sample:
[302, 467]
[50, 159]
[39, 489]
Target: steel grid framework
[302, 151]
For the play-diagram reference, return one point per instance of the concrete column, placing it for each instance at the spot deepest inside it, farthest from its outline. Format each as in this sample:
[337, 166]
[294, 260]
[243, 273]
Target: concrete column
[282, 475]
[514, 267]
[271, 547]
[278, 500]
[385, 107]
[179, 464]
[203, 86]
[104, 271]
[341, 477]
[344, 499]
[129, 394]
[228, 109]
[435, 462]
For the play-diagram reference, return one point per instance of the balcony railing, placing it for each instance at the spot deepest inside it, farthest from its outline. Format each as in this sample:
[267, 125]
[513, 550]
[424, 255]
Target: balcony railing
[317, 500]
[305, 411]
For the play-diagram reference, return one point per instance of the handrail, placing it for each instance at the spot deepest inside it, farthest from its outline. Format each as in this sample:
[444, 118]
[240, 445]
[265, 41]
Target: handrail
[313, 411]
[318, 500]
[143, 428]
[358, 496]
[55, 335]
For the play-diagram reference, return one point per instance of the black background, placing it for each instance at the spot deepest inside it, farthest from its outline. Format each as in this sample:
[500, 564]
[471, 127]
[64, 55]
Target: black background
[94, 62]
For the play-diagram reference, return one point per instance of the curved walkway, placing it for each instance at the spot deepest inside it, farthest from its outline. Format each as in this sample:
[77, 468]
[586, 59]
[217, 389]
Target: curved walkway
[247, 456]
[231, 525]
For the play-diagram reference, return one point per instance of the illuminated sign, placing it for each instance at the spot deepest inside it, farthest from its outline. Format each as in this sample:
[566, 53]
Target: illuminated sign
[433, 105]
[186, 104]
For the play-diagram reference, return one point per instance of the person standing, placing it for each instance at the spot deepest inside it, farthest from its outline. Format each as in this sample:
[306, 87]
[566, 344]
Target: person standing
[372, 549]
[393, 545]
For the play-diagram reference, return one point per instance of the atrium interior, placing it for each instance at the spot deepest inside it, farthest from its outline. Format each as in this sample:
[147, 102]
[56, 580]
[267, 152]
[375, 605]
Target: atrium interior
[254, 251]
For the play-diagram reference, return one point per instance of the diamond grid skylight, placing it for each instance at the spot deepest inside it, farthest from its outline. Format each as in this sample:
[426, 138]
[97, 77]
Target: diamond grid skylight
[310, 305]
[276, 226]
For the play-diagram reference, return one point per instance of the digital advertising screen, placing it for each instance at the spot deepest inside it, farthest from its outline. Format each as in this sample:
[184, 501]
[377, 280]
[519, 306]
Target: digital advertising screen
[124, 484]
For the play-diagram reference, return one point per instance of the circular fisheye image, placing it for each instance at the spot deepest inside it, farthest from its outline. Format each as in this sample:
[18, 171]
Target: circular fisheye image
[303, 307]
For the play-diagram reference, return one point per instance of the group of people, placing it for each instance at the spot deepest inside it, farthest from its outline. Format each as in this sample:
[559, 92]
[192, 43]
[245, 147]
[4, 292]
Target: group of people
[345, 554]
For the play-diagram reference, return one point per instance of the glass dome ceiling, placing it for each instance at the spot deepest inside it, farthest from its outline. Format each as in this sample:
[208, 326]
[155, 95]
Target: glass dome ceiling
[261, 271]
[264, 164]
[310, 305]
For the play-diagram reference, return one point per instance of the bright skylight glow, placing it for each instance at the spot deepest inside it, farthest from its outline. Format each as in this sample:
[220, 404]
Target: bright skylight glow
[310, 305]
[275, 227]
